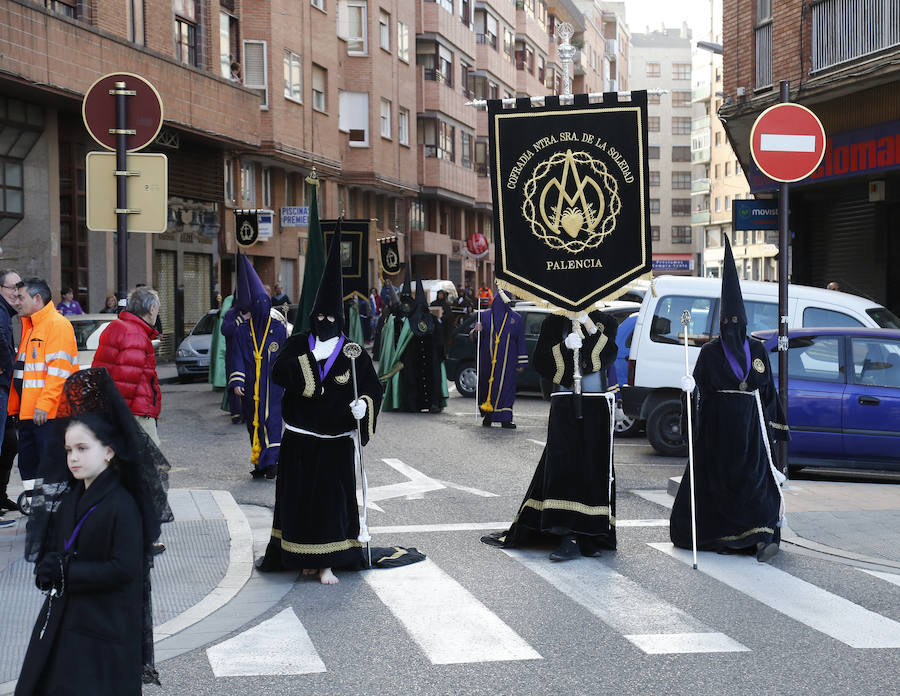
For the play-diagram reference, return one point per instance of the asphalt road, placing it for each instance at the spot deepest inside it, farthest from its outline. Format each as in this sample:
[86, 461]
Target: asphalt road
[478, 620]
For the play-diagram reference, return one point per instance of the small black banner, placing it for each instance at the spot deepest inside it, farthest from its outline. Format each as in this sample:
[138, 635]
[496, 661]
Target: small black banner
[354, 254]
[389, 254]
[571, 198]
[246, 227]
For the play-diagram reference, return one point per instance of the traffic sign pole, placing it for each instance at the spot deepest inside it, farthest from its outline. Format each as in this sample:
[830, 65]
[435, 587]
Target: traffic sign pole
[121, 130]
[783, 203]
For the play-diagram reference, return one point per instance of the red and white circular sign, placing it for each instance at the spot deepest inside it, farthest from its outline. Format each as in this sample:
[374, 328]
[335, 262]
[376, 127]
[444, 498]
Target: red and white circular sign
[143, 111]
[787, 142]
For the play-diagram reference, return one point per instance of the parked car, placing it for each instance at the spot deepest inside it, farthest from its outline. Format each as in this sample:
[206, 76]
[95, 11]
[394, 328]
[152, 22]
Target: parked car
[88, 328]
[192, 356]
[843, 396]
[461, 353]
[656, 360]
[626, 426]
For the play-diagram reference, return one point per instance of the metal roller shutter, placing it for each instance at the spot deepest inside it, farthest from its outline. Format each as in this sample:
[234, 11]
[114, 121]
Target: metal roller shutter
[164, 281]
[196, 287]
[843, 244]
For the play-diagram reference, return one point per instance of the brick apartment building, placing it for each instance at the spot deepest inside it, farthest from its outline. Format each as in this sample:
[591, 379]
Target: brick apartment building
[842, 62]
[256, 94]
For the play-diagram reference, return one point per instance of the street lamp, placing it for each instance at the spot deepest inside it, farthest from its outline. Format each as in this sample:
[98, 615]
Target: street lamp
[710, 46]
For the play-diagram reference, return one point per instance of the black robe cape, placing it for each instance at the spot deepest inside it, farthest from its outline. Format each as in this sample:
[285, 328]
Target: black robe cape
[92, 643]
[316, 520]
[573, 488]
[421, 378]
[737, 499]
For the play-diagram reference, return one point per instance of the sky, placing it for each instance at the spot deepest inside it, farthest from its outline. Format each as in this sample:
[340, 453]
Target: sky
[639, 14]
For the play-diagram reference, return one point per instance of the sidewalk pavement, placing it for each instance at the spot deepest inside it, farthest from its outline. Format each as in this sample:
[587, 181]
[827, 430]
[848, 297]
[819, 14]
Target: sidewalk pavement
[857, 522]
[204, 584]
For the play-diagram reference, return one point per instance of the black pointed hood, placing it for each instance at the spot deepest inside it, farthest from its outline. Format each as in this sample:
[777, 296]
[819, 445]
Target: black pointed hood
[422, 320]
[732, 315]
[406, 304]
[330, 296]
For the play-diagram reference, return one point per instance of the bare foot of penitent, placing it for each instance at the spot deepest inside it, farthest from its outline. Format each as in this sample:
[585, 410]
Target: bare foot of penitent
[326, 577]
[310, 571]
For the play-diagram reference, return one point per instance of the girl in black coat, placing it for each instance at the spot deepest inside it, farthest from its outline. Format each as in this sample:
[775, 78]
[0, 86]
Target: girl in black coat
[89, 637]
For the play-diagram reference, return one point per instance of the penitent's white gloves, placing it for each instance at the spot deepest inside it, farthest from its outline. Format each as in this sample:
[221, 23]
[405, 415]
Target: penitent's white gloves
[358, 409]
[573, 341]
[688, 384]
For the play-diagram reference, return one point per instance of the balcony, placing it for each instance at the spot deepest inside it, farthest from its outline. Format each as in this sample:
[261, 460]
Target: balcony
[701, 93]
[843, 31]
[700, 124]
[700, 217]
[700, 156]
[699, 186]
[610, 47]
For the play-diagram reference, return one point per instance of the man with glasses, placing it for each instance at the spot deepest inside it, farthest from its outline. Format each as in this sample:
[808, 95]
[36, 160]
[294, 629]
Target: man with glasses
[48, 354]
[9, 303]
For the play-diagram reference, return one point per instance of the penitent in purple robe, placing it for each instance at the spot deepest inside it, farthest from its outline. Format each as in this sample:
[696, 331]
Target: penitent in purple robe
[506, 355]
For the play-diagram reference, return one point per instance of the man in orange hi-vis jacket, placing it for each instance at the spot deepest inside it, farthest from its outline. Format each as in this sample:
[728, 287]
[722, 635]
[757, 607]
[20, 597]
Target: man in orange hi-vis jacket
[47, 355]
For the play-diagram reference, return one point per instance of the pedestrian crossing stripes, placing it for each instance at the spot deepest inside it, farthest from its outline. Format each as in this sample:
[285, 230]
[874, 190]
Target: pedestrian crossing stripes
[279, 645]
[448, 623]
[651, 624]
[451, 626]
[892, 578]
[802, 601]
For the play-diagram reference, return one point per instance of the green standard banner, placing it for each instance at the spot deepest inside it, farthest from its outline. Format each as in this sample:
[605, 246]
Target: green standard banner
[571, 198]
[354, 254]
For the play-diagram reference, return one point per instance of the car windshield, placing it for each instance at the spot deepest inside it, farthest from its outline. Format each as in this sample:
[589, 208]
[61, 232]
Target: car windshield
[84, 329]
[885, 318]
[205, 325]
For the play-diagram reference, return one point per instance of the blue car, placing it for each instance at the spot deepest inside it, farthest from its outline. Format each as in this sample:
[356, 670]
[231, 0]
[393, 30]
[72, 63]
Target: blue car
[843, 396]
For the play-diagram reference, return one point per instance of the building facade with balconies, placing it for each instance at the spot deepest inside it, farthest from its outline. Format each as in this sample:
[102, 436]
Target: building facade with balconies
[661, 60]
[718, 179]
[841, 60]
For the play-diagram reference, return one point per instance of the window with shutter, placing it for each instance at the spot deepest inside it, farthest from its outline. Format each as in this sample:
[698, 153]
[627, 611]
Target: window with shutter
[353, 117]
[319, 75]
[255, 70]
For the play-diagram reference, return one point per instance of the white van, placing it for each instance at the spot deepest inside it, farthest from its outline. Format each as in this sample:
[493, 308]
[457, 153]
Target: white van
[431, 288]
[656, 359]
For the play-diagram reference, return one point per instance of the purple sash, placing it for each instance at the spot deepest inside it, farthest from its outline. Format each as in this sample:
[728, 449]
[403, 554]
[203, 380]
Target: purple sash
[331, 358]
[77, 529]
[732, 361]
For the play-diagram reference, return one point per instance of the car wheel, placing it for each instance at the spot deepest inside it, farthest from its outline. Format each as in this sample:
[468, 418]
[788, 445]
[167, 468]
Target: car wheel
[23, 502]
[467, 381]
[628, 427]
[664, 430]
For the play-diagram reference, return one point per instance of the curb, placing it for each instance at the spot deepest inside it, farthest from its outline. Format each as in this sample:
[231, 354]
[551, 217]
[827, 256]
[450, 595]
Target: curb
[789, 536]
[240, 561]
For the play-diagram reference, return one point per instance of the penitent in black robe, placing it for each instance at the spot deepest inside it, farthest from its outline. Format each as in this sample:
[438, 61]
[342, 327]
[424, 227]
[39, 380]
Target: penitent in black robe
[573, 488]
[316, 520]
[737, 498]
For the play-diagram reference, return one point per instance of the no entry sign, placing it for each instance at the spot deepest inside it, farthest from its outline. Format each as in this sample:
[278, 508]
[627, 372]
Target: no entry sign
[144, 114]
[787, 142]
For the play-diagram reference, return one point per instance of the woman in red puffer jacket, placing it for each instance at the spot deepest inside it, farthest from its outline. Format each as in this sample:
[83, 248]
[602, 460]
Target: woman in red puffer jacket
[126, 351]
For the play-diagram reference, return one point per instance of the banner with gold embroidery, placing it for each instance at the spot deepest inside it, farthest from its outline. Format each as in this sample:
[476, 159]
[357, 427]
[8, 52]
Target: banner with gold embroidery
[571, 198]
[389, 256]
[354, 254]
